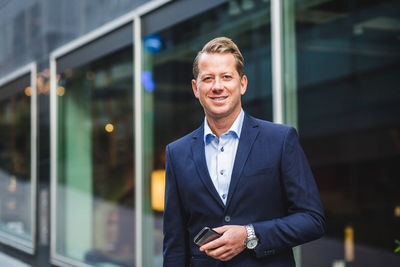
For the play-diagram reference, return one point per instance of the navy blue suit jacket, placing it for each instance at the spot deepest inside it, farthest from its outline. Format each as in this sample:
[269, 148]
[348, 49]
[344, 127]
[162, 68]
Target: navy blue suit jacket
[271, 187]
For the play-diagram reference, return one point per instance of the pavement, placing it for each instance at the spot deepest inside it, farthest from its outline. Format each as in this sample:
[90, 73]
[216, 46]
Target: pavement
[7, 261]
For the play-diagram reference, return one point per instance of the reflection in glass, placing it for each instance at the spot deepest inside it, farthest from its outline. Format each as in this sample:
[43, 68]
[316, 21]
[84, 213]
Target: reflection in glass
[348, 55]
[170, 108]
[15, 160]
[95, 187]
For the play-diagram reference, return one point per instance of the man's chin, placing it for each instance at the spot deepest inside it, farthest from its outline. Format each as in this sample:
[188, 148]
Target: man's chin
[218, 114]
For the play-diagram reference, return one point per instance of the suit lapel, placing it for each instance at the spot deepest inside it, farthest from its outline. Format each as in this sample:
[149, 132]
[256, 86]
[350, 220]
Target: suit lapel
[201, 164]
[247, 137]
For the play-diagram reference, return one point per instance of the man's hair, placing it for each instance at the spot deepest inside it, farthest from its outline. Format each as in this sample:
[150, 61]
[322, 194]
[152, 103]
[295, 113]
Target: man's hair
[220, 45]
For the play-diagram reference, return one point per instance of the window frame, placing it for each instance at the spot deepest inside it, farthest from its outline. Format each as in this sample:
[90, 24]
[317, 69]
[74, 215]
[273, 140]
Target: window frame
[101, 42]
[6, 238]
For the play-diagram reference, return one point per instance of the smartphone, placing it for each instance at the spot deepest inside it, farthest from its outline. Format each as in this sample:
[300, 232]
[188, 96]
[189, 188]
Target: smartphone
[205, 235]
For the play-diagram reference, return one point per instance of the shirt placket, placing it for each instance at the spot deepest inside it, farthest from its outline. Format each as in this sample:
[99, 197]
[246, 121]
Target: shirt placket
[222, 168]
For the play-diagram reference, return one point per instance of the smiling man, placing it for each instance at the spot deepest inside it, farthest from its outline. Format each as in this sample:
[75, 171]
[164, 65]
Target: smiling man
[246, 178]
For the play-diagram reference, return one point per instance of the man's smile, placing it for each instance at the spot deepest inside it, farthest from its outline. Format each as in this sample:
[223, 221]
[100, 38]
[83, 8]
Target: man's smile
[219, 98]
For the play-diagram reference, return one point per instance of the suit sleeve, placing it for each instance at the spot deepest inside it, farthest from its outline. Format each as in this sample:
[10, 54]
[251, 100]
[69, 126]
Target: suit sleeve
[175, 246]
[305, 218]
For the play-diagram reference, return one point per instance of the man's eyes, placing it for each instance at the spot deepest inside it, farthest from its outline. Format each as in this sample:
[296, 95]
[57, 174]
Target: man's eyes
[209, 78]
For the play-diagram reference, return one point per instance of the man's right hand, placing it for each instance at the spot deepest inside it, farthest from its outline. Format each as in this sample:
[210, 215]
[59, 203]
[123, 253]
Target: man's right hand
[230, 244]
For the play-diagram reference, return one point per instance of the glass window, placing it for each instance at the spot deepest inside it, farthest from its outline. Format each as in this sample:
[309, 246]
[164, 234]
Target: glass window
[95, 172]
[348, 63]
[17, 181]
[170, 108]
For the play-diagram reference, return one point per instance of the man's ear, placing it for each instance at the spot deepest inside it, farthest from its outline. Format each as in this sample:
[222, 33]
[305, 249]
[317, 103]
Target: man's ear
[243, 84]
[195, 90]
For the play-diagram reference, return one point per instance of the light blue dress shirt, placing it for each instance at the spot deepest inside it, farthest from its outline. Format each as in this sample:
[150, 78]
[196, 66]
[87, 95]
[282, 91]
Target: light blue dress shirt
[220, 154]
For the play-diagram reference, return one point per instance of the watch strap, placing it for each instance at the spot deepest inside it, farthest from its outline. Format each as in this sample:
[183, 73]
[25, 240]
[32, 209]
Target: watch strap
[252, 239]
[251, 234]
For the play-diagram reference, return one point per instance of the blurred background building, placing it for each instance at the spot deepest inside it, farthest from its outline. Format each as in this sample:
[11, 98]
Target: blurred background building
[91, 91]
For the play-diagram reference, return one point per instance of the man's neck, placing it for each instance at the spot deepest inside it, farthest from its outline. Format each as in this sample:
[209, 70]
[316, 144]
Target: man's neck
[221, 125]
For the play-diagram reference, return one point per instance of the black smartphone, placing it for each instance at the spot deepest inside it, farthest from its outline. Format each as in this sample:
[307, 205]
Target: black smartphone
[205, 235]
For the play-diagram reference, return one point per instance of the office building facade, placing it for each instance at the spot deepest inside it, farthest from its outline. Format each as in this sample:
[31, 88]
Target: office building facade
[91, 92]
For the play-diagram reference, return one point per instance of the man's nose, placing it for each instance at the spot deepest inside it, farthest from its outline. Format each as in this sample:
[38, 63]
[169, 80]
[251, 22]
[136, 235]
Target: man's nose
[218, 85]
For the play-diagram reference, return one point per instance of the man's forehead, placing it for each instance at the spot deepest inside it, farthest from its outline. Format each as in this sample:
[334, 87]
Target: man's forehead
[206, 59]
[208, 54]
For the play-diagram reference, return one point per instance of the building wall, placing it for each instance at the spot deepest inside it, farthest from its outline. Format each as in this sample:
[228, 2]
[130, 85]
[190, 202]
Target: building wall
[341, 61]
[31, 30]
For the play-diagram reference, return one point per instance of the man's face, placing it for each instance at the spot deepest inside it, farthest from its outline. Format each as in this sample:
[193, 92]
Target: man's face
[219, 86]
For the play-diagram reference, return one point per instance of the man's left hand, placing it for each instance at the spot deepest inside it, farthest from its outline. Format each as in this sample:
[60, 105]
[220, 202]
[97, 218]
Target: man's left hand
[230, 244]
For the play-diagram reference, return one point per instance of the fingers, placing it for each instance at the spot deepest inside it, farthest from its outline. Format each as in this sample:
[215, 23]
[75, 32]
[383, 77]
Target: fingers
[217, 242]
[221, 254]
[227, 256]
[225, 252]
[213, 244]
[221, 230]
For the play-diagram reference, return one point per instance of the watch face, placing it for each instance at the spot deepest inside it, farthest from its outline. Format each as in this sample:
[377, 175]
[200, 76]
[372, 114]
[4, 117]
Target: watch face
[251, 244]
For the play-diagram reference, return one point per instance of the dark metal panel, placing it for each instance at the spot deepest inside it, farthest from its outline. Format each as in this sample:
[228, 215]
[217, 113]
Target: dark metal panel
[174, 13]
[102, 46]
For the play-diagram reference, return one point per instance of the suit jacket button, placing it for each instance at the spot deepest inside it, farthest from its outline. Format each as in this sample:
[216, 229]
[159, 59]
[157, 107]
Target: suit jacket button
[227, 218]
[269, 252]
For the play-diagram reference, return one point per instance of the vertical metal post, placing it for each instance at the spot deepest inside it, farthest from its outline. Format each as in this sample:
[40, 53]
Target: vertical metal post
[290, 63]
[53, 154]
[290, 77]
[283, 50]
[34, 125]
[137, 33]
[277, 60]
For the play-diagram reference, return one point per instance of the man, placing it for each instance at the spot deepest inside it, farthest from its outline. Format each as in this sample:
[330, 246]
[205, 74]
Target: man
[246, 178]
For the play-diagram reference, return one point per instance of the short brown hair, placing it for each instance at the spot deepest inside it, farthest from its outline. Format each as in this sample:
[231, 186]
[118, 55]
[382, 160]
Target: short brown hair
[220, 45]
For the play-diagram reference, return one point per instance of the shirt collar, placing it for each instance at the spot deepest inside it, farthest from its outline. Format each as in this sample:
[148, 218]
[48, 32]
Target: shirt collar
[235, 129]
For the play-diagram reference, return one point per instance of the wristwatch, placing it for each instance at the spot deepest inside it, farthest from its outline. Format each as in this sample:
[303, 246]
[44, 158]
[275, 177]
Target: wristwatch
[252, 240]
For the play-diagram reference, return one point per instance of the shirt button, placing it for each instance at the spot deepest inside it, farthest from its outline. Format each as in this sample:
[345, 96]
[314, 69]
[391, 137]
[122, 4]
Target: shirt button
[223, 196]
[227, 218]
[221, 172]
[222, 149]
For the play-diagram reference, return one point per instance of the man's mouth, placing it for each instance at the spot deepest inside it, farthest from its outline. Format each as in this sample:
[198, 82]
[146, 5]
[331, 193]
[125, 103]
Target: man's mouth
[220, 98]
